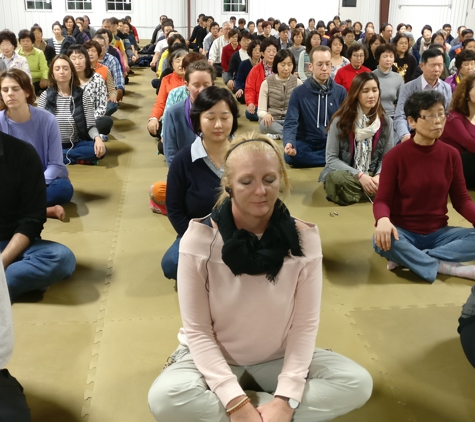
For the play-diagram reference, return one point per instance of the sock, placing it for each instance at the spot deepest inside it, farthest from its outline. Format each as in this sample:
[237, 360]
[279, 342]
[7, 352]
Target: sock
[391, 265]
[457, 269]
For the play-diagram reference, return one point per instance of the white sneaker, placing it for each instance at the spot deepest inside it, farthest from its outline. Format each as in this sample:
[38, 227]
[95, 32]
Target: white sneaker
[273, 136]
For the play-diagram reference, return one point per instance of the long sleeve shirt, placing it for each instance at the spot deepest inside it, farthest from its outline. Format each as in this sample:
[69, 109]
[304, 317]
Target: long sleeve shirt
[217, 48]
[459, 132]
[246, 320]
[415, 183]
[22, 189]
[192, 189]
[41, 131]
[169, 82]
[114, 66]
[390, 83]
[96, 89]
[16, 62]
[346, 74]
[36, 63]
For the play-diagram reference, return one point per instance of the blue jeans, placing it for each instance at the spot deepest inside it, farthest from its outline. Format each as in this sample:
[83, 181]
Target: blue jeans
[422, 253]
[170, 260]
[41, 264]
[82, 150]
[252, 117]
[111, 108]
[306, 156]
[59, 192]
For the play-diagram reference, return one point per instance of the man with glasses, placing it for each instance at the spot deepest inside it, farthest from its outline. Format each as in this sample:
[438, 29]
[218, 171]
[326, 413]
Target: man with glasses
[310, 110]
[432, 64]
[410, 208]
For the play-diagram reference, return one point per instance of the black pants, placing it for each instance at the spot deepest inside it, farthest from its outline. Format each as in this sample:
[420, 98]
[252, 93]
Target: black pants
[468, 162]
[467, 338]
[13, 406]
[219, 69]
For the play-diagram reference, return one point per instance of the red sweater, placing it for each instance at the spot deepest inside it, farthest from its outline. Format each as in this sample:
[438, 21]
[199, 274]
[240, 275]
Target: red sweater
[226, 54]
[459, 132]
[253, 84]
[346, 74]
[414, 185]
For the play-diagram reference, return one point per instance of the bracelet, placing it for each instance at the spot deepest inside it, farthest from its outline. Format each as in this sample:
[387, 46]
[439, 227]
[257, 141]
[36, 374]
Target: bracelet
[360, 175]
[238, 406]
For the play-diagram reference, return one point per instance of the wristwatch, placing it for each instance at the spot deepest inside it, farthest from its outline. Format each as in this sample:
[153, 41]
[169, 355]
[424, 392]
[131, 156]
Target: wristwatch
[293, 403]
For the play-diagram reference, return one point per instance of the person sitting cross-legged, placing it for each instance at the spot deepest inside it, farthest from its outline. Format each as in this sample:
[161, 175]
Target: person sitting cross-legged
[311, 107]
[30, 262]
[410, 208]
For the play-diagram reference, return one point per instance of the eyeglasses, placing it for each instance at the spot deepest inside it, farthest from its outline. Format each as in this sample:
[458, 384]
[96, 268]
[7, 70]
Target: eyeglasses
[322, 65]
[358, 56]
[431, 118]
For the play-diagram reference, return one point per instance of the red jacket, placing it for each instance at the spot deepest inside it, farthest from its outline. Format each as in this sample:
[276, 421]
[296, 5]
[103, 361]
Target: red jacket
[253, 84]
[346, 74]
[226, 54]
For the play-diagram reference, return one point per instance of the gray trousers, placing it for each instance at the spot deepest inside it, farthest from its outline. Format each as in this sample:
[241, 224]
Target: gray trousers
[276, 127]
[335, 386]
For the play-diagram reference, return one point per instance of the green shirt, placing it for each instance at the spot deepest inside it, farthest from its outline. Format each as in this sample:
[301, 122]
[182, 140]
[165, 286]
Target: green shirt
[36, 63]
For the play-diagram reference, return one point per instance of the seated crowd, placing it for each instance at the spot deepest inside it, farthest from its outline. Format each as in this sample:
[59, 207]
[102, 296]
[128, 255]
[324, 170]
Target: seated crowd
[389, 119]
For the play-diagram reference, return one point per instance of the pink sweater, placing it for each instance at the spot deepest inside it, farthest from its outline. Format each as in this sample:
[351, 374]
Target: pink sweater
[246, 320]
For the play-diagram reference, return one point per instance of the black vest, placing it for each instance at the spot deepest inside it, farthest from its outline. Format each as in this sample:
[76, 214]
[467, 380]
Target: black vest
[78, 115]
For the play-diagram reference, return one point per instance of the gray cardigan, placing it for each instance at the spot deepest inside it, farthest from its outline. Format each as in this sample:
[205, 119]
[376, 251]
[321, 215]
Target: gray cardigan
[389, 84]
[338, 152]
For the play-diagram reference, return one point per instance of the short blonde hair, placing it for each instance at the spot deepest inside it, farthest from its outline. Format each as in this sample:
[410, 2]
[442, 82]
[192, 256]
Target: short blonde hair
[255, 143]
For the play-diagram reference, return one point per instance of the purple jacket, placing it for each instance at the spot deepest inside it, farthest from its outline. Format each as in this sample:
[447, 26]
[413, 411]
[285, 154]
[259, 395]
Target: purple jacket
[452, 81]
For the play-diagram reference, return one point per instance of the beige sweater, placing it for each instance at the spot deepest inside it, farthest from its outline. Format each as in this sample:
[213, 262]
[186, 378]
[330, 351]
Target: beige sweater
[246, 320]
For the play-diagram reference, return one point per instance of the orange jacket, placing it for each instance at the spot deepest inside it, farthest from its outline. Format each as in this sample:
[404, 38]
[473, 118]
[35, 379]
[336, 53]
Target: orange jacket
[168, 83]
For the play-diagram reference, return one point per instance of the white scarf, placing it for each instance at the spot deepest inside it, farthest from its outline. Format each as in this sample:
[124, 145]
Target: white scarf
[364, 140]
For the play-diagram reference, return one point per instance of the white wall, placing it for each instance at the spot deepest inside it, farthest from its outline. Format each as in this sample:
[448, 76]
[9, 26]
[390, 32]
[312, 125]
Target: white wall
[365, 11]
[145, 13]
[433, 12]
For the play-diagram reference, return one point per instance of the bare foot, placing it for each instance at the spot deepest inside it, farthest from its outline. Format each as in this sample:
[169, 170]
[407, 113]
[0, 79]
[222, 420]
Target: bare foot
[55, 212]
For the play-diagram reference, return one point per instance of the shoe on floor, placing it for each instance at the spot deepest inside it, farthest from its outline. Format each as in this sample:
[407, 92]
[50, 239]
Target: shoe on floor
[273, 136]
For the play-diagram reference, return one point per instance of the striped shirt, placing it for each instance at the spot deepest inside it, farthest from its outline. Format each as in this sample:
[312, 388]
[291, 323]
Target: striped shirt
[57, 45]
[64, 115]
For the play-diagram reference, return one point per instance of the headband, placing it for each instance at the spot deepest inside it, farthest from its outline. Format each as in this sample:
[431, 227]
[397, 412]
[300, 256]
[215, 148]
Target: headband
[245, 142]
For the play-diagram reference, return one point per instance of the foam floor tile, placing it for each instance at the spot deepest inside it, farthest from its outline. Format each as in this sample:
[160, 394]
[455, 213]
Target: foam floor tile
[77, 298]
[53, 372]
[122, 380]
[138, 288]
[421, 350]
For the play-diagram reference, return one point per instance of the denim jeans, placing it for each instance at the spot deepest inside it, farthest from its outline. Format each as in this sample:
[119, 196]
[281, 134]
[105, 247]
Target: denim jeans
[59, 192]
[252, 117]
[82, 150]
[422, 253]
[170, 260]
[111, 108]
[41, 264]
[306, 156]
